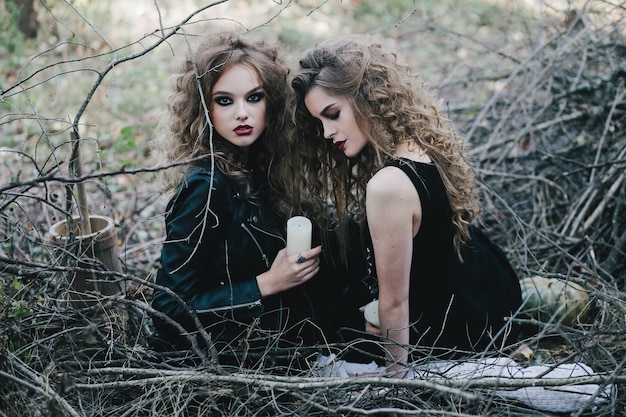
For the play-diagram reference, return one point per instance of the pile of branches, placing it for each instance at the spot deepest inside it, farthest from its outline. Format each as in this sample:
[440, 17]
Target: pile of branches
[549, 145]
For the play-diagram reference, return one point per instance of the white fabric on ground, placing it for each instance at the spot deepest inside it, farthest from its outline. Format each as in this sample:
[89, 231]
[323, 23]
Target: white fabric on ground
[562, 399]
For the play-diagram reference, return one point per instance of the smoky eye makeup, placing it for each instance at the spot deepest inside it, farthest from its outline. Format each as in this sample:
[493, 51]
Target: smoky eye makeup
[331, 112]
[222, 100]
[256, 97]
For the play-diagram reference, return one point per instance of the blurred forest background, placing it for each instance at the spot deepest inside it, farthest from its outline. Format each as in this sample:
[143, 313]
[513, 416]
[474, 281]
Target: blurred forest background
[537, 87]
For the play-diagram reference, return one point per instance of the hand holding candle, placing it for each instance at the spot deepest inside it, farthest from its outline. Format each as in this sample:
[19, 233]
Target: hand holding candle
[299, 232]
[371, 313]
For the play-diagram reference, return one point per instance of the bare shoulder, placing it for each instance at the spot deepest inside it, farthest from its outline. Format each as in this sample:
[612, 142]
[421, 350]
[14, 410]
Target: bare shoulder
[392, 204]
[389, 182]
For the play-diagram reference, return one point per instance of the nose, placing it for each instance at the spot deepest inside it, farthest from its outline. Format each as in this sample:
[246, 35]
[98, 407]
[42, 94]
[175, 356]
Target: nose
[329, 132]
[241, 114]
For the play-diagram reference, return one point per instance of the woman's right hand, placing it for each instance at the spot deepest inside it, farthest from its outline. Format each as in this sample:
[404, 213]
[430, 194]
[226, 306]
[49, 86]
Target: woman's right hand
[286, 272]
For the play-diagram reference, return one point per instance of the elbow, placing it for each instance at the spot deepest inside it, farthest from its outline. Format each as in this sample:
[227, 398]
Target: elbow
[397, 308]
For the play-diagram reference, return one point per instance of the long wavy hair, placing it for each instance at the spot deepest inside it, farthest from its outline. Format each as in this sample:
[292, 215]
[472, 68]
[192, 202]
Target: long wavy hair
[185, 134]
[385, 96]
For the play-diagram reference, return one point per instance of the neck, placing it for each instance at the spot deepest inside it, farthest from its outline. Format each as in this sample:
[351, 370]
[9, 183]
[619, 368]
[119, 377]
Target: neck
[411, 150]
[243, 156]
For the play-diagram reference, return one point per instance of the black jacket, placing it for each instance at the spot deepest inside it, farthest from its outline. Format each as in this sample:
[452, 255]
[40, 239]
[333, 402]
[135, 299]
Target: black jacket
[217, 243]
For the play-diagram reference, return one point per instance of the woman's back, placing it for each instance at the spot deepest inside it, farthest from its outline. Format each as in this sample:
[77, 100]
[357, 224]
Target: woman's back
[453, 304]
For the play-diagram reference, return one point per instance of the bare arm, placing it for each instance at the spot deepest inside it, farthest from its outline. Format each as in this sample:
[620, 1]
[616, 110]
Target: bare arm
[393, 215]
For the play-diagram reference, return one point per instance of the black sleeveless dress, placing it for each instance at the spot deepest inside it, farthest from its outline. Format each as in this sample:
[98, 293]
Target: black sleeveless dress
[453, 304]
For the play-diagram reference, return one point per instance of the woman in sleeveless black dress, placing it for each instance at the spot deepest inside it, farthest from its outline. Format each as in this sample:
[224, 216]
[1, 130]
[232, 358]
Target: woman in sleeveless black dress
[392, 161]
[453, 304]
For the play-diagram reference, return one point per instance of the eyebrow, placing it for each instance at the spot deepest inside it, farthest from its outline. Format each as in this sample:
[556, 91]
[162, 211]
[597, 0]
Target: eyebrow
[228, 93]
[325, 110]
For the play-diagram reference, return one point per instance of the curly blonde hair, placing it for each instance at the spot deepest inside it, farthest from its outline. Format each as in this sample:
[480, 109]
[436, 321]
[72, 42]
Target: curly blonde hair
[385, 96]
[185, 133]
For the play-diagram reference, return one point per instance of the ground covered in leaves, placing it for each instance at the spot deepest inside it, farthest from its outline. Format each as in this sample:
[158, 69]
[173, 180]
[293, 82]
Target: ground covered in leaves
[538, 93]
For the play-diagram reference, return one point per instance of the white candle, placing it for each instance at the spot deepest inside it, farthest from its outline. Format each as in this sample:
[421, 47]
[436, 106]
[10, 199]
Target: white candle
[371, 313]
[299, 231]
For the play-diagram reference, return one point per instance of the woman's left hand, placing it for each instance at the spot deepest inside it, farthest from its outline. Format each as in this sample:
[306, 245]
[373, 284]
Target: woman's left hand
[369, 326]
[289, 271]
